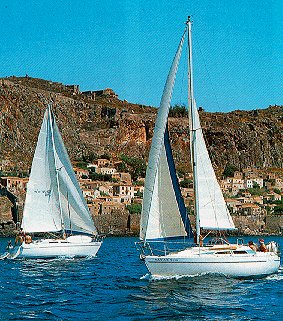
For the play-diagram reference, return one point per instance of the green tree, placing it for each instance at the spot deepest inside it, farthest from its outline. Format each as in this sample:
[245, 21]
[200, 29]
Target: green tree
[278, 209]
[186, 183]
[122, 167]
[229, 170]
[139, 194]
[257, 191]
[100, 177]
[105, 156]
[82, 164]
[178, 111]
[134, 208]
[138, 183]
[137, 165]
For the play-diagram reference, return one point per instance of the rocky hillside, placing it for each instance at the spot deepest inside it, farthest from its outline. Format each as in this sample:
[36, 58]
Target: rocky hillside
[92, 126]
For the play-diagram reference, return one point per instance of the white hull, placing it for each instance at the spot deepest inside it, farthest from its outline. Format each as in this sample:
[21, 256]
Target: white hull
[193, 261]
[73, 246]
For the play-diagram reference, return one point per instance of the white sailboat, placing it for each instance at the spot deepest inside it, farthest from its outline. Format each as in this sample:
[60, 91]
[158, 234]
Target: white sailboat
[54, 203]
[164, 215]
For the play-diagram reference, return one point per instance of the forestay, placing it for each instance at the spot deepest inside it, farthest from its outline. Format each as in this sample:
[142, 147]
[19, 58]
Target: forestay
[211, 207]
[163, 211]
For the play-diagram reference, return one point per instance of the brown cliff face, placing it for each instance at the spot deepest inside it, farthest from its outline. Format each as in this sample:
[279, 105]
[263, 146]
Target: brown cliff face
[107, 125]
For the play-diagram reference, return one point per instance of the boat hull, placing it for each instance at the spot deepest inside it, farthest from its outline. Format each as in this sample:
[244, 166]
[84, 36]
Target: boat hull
[250, 265]
[48, 248]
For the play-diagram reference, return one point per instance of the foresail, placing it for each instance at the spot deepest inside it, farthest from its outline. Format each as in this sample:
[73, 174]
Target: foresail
[75, 212]
[213, 211]
[160, 219]
[41, 210]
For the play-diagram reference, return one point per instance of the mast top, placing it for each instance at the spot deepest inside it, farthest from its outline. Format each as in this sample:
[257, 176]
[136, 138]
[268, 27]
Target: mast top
[188, 20]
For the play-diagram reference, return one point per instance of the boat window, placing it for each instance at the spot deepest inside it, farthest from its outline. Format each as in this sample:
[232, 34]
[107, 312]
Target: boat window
[240, 252]
[223, 252]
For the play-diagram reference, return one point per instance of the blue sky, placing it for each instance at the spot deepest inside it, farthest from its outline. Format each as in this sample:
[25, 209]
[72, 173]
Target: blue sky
[129, 46]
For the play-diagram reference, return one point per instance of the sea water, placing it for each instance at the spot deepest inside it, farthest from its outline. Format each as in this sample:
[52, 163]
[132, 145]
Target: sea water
[115, 286]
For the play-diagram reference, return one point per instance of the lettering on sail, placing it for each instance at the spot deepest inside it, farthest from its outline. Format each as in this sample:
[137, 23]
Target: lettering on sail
[45, 192]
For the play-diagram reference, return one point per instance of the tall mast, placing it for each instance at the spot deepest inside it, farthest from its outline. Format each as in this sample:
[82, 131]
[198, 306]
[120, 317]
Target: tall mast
[56, 166]
[193, 129]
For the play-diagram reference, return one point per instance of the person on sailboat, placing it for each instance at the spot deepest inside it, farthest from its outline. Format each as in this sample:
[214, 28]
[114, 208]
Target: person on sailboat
[28, 239]
[20, 237]
[262, 246]
[252, 246]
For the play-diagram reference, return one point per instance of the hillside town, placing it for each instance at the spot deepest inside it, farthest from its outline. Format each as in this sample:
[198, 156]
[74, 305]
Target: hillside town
[113, 190]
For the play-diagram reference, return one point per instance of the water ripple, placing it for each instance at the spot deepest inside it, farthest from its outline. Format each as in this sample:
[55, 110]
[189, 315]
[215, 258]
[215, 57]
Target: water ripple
[116, 286]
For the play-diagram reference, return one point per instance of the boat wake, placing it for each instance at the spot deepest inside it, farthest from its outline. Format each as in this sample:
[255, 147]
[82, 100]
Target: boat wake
[9, 256]
[278, 276]
[153, 278]
[147, 276]
[179, 277]
[4, 256]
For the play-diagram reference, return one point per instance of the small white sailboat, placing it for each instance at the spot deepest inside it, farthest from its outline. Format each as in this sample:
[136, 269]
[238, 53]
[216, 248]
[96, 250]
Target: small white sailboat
[54, 203]
[164, 214]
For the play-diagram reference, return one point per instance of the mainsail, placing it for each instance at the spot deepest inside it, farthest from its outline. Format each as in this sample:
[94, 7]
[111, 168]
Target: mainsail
[54, 201]
[163, 211]
[41, 210]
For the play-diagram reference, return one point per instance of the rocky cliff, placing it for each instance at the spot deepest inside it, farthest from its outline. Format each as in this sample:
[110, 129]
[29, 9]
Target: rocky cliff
[92, 127]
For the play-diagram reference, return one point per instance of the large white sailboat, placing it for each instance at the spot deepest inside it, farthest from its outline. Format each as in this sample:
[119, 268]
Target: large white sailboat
[54, 203]
[164, 216]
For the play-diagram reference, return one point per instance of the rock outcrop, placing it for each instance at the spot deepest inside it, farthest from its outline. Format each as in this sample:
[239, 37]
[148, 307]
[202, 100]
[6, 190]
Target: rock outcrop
[108, 125]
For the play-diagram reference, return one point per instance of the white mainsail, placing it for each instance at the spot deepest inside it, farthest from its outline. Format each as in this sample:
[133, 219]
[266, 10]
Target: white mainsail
[54, 201]
[211, 207]
[163, 211]
[41, 210]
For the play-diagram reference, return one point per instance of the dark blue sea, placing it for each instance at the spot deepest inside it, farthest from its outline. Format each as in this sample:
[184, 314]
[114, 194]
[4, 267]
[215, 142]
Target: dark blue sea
[115, 286]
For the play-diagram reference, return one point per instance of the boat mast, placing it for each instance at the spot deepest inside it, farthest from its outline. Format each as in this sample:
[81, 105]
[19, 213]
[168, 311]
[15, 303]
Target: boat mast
[69, 213]
[56, 167]
[193, 129]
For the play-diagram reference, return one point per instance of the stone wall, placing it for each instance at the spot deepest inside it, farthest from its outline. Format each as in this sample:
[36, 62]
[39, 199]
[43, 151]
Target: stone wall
[274, 223]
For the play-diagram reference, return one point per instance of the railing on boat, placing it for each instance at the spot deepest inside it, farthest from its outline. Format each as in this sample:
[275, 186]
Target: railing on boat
[161, 248]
